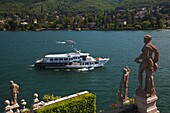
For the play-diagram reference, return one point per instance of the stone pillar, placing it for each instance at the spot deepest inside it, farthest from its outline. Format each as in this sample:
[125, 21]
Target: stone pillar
[23, 103]
[15, 108]
[36, 104]
[146, 105]
[121, 101]
[126, 101]
[11, 109]
[35, 101]
[7, 107]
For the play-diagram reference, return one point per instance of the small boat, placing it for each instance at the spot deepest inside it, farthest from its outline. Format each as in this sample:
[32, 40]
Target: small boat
[73, 60]
[66, 42]
[70, 42]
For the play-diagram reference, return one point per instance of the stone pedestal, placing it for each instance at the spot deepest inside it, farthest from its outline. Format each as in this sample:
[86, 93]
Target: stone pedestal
[123, 102]
[146, 105]
[126, 101]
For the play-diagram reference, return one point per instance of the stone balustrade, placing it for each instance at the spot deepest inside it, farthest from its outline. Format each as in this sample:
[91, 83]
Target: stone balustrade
[36, 103]
[11, 108]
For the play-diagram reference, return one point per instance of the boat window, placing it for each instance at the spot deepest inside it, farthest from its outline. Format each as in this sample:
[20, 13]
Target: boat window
[51, 59]
[70, 58]
[56, 58]
[84, 57]
[87, 63]
[65, 58]
[60, 59]
[96, 62]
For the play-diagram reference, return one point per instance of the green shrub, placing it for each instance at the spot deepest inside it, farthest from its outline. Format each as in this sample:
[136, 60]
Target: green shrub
[26, 111]
[132, 100]
[48, 97]
[81, 104]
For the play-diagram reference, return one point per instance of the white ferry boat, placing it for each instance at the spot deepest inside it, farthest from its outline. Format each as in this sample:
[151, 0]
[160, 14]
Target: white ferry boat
[74, 60]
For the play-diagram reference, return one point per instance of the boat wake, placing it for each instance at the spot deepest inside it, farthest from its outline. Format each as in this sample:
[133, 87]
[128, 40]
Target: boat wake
[56, 70]
[85, 69]
[31, 66]
[77, 70]
[60, 42]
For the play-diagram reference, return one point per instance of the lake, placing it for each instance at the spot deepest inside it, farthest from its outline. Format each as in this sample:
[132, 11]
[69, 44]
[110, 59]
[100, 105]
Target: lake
[19, 50]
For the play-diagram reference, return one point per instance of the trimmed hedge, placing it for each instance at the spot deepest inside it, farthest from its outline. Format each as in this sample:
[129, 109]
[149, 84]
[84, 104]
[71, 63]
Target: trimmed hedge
[81, 104]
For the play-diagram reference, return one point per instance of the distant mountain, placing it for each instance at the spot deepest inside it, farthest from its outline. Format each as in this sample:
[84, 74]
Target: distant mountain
[71, 6]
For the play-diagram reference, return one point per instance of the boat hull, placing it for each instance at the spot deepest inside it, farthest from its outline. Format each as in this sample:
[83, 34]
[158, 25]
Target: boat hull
[49, 65]
[65, 66]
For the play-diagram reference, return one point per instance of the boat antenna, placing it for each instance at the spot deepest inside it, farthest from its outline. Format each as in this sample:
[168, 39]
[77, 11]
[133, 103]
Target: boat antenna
[78, 51]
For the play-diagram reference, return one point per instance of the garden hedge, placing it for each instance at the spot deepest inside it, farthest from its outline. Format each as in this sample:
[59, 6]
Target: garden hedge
[85, 103]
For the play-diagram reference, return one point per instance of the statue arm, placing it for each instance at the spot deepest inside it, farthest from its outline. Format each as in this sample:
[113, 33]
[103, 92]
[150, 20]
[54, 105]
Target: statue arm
[156, 54]
[138, 58]
[127, 69]
[120, 86]
[17, 89]
[141, 56]
[121, 83]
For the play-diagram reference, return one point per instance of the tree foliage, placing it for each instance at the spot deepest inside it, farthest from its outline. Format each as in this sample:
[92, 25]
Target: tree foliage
[129, 4]
[38, 7]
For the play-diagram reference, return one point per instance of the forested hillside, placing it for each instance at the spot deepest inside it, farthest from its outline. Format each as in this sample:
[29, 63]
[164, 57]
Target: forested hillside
[84, 14]
[128, 4]
[71, 6]
[62, 6]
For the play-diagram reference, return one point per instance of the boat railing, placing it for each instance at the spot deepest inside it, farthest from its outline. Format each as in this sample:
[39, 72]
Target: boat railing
[75, 63]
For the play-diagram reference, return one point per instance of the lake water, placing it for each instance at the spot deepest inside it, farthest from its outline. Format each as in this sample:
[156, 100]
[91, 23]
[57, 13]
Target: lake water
[19, 50]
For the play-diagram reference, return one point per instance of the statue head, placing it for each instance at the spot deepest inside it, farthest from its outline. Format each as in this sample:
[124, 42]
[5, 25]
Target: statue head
[11, 82]
[124, 70]
[147, 38]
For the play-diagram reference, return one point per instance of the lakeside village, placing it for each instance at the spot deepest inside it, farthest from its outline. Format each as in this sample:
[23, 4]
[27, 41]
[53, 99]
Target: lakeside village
[157, 17]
